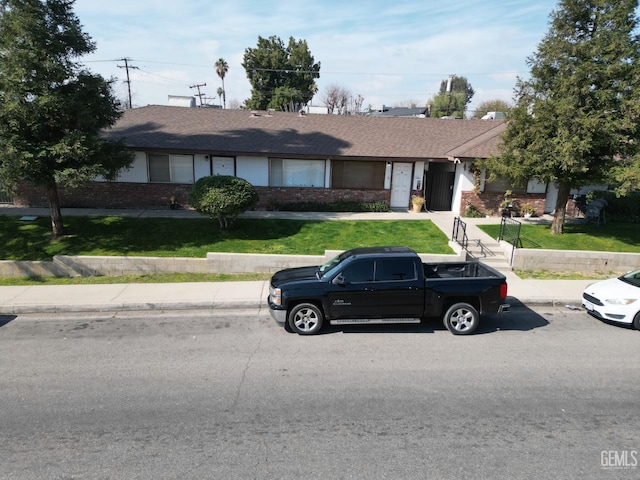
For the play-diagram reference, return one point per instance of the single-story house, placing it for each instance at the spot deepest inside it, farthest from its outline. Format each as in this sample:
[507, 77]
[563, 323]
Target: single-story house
[300, 157]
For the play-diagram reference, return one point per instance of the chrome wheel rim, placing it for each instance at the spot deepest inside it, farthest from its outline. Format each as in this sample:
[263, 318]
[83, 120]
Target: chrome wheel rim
[462, 319]
[306, 320]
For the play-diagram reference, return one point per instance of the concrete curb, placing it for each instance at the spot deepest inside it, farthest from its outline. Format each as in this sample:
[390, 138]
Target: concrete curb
[130, 307]
[231, 305]
[544, 302]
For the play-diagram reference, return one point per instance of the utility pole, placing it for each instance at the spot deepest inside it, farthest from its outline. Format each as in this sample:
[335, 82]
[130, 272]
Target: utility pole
[200, 94]
[126, 66]
[449, 92]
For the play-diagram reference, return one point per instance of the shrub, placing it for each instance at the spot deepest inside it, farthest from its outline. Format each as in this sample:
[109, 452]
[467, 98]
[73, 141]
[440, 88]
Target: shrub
[335, 207]
[472, 212]
[223, 197]
[619, 209]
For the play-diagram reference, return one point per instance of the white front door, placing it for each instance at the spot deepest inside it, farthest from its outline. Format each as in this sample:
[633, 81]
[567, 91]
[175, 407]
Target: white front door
[224, 166]
[401, 185]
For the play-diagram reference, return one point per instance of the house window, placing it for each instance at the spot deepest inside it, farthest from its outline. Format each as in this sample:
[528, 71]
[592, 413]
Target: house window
[170, 168]
[501, 185]
[285, 172]
[349, 174]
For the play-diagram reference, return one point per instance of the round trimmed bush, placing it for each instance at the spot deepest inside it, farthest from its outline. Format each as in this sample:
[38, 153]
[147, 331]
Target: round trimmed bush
[223, 197]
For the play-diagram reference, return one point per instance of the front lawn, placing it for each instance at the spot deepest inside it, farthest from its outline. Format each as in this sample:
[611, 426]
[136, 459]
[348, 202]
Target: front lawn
[610, 237]
[179, 237]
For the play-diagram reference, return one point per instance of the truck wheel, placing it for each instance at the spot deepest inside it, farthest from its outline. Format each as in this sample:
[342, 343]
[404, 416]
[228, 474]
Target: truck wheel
[305, 319]
[461, 319]
[636, 321]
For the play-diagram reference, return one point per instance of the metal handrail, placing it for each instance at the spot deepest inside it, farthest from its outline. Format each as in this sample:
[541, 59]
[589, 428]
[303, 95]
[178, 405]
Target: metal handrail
[460, 228]
[510, 232]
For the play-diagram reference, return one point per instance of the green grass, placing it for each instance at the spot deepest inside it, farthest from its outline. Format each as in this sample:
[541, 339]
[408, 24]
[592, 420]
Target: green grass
[549, 275]
[170, 237]
[151, 278]
[612, 237]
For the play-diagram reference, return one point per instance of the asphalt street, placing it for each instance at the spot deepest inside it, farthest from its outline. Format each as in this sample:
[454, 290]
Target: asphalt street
[550, 393]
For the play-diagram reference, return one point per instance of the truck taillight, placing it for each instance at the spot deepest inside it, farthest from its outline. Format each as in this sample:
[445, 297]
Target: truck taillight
[503, 290]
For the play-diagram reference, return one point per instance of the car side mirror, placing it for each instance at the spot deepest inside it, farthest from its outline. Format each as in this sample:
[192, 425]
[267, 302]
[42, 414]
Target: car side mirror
[339, 280]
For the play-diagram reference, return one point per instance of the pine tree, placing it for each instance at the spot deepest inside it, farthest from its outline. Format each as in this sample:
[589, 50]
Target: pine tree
[51, 109]
[282, 77]
[578, 115]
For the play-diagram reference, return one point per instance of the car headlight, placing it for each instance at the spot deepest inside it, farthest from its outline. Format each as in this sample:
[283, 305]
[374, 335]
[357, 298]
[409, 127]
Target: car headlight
[620, 301]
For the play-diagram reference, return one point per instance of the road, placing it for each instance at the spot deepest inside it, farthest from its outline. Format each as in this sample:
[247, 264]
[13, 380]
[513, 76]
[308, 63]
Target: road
[550, 394]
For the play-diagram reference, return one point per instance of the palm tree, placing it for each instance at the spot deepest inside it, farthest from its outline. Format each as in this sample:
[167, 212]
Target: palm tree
[220, 93]
[222, 67]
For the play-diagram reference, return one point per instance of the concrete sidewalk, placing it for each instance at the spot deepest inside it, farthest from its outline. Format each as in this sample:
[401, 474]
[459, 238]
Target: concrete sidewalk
[235, 295]
[220, 295]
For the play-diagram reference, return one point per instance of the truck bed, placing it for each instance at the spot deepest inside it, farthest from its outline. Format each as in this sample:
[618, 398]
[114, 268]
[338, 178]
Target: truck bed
[459, 270]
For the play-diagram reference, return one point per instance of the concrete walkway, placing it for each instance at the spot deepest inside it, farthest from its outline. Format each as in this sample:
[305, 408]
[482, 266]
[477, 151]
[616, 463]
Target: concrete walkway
[238, 295]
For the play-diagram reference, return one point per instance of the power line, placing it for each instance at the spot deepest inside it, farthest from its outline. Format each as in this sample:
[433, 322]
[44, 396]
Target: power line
[326, 72]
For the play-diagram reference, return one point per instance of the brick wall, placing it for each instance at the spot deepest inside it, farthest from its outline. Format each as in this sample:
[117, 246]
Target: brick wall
[485, 201]
[158, 195]
[271, 197]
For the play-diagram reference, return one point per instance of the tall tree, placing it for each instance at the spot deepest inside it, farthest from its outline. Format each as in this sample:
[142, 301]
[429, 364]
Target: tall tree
[487, 106]
[578, 115]
[222, 67]
[51, 109]
[452, 99]
[336, 97]
[280, 75]
[220, 93]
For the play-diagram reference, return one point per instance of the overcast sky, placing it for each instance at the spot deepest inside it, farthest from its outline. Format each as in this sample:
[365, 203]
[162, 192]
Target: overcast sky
[390, 52]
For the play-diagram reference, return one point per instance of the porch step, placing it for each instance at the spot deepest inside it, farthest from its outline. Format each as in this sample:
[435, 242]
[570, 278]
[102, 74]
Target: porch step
[499, 263]
[490, 253]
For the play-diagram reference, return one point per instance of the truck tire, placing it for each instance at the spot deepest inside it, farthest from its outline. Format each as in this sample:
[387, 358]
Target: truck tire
[461, 319]
[305, 319]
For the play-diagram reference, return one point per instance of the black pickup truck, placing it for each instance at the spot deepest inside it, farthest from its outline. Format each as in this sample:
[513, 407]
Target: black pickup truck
[386, 285]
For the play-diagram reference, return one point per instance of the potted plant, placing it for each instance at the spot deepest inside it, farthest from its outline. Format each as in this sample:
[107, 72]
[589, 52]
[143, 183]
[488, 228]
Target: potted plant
[417, 202]
[488, 213]
[509, 206]
[528, 210]
[173, 202]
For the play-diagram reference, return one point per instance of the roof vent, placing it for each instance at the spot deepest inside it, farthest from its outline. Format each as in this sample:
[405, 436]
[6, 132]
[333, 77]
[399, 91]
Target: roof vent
[302, 113]
[254, 113]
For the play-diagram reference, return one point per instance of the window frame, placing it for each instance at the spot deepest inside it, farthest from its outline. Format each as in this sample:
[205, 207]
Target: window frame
[173, 167]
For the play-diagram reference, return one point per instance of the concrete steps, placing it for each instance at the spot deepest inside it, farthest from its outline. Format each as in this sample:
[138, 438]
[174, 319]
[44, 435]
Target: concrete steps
[489, 252]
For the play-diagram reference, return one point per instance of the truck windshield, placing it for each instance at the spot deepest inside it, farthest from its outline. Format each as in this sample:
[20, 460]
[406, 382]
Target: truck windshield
[333, 263]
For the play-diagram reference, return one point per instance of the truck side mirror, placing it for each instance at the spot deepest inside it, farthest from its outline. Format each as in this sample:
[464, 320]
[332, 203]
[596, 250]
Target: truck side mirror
[339, 280]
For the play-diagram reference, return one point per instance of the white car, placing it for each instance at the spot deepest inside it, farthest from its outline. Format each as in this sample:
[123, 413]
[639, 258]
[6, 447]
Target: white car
[615, 300]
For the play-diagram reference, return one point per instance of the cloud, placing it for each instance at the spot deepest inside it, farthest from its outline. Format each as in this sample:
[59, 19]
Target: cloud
[386, 51]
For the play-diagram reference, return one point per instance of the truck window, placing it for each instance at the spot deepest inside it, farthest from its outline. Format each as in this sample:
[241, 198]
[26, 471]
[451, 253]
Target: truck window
[359, 272]
[396, 269]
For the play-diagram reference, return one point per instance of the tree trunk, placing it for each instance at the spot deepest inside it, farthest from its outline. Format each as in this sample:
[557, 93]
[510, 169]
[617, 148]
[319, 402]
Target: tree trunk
[57, 225]
[559, 214]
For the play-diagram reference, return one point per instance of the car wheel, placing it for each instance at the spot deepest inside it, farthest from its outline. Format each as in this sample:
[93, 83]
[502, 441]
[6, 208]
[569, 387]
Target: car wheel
[461, 319]
[305, 319]
[636, 321]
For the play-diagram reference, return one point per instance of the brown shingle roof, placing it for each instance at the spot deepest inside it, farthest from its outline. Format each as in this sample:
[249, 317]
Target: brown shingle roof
[288, 134]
